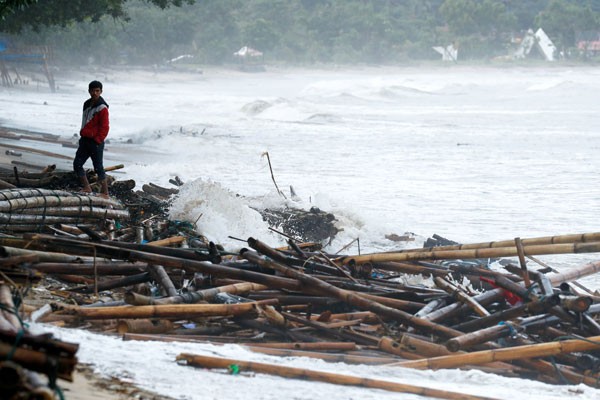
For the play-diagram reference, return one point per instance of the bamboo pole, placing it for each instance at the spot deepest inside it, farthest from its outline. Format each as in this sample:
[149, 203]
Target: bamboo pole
[575, 273]
[521, 253]
[96, 287]
[505, 354]
[533, 307]
[321, 346]
[558, 239]
[89, 269]
[481, 336]
[160, 275]
[169, 311]
[329, 357]
[193, 297]
[8, 251]
[301, 373]
[567, 248]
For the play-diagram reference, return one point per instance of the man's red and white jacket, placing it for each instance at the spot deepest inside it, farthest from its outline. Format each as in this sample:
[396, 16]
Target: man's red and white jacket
[94, 122]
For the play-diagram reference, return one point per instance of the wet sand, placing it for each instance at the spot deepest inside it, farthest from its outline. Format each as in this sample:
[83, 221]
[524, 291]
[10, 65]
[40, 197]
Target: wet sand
[87, 385]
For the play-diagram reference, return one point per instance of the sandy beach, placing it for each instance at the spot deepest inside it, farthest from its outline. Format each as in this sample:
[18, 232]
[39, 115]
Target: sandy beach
[88, 385]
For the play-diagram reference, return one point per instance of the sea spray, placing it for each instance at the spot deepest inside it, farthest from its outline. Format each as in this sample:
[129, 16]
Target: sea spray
[220, 214]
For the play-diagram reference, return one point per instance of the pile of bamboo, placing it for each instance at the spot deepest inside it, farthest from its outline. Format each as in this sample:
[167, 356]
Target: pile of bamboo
[31, 210]
[300, 301]
[25, 357]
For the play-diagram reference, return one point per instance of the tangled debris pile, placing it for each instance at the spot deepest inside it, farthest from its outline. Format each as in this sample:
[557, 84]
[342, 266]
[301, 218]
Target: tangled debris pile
[121, 267]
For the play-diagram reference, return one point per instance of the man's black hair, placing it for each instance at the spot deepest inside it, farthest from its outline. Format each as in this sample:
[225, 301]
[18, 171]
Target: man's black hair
[94, 85]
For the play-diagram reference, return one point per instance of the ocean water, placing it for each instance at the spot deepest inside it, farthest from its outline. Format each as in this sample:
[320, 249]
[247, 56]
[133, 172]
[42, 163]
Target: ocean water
[473, 154]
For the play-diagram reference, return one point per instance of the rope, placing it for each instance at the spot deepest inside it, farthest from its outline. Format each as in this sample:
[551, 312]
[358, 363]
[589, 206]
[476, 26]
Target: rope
[557, 369]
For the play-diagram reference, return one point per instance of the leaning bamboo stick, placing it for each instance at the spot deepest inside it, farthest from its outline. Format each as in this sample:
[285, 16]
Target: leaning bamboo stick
[301, 373]
[505, 354]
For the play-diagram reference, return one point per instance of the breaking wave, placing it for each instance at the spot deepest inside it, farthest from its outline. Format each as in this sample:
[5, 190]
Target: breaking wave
[219, 214]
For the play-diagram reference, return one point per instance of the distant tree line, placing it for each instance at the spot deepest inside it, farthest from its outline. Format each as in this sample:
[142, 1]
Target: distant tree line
[290, 31]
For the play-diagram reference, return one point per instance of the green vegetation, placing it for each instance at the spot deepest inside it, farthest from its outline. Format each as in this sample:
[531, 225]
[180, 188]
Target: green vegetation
[291, 31]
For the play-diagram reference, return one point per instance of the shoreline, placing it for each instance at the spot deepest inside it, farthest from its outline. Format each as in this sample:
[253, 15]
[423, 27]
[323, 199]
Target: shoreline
[88, 385]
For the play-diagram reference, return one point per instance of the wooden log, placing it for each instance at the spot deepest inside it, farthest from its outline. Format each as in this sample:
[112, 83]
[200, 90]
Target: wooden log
[169, 311]
[505, 354]
[290, 372]
[350, 297]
